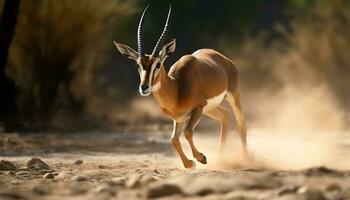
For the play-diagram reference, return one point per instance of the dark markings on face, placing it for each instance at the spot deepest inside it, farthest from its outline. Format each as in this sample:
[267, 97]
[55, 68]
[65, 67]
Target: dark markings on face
[149, 69]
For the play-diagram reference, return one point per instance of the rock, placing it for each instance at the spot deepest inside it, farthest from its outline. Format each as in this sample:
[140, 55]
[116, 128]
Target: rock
[302, 190]
[134, 181]
[261, 183]
[49, 176]
[10, 173]
[37, 163]
[201, 185]
[333, 188]
[105, 188]
[79, 178]
[78, 162]
[288, 189]
[147, 179]
[23, 173]
[6, 165]
[311, 194]
[163, 189]
[195, 185]
[206, 185]
[119, 180]
[138, 180]
[320, 171]
[102, 167]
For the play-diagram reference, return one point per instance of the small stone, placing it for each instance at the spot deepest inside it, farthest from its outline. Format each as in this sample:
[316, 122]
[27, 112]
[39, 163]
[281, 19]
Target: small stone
[312, 194]
[102, 167]
[287, 189]
[105, 188]
[37, 163]
[333, 188]
[302, 190]
[79, 178]
[23, 173]
[49, 176]
[78, 162]
[162, 190]
[119, 180]
[10, 173]
[262, 184]
[6, 165]
[147, 178]
[133, 181]
[320, 171]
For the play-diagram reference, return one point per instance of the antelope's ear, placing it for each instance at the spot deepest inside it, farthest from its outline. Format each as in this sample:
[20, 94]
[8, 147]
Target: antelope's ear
[127, 51]
[167, 49]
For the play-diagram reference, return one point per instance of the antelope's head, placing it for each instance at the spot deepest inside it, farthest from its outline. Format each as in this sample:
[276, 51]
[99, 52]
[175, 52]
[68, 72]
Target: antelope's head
[148, 65]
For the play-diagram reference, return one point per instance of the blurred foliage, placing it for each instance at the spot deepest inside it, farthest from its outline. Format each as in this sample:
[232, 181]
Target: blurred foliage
[63, 57]
[57, 50]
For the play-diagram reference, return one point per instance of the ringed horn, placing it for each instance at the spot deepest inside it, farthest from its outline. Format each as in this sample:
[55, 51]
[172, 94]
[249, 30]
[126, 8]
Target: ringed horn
[161, 39]
[139, 34]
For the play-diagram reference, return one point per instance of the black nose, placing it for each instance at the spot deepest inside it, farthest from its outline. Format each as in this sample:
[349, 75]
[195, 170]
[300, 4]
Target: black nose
[144, 87]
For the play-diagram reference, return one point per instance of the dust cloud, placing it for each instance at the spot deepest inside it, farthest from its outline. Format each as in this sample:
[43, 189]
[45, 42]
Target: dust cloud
[296, 127]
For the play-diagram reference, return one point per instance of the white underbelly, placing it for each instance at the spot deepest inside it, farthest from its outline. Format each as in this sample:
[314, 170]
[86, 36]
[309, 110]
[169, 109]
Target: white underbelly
[214, 102]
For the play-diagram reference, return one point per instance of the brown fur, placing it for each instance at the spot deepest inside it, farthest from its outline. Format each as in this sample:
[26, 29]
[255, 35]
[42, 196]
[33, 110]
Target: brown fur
[195, 78]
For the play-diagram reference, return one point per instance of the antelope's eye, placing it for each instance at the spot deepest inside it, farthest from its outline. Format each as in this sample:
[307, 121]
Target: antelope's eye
[158, 65]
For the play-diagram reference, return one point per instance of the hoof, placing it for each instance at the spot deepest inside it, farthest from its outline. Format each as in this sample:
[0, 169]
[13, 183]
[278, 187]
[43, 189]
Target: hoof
[191, 165]
[203, 159]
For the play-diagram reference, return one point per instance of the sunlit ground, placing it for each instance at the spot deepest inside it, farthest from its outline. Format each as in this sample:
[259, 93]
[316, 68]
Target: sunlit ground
[109, 158]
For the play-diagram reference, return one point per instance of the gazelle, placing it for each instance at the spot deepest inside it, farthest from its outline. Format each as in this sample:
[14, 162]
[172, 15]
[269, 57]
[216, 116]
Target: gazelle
[195, 85]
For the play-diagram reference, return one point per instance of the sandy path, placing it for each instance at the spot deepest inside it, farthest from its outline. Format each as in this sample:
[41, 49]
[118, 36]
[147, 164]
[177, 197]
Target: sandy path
[138, 166]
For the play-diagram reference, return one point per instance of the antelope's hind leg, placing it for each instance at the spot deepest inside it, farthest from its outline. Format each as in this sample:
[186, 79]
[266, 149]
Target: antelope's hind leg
[223, 116]
[191, 125]
[178, 128]
[235, 102]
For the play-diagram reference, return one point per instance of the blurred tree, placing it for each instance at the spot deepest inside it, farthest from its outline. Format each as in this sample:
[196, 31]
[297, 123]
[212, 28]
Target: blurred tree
[55, 59]
[7, 88]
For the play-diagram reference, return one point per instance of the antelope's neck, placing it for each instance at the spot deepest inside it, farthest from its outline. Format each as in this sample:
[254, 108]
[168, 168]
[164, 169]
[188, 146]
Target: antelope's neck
[165, 90]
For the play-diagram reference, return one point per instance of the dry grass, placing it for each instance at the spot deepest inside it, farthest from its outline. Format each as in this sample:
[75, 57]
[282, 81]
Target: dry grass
[57, 50]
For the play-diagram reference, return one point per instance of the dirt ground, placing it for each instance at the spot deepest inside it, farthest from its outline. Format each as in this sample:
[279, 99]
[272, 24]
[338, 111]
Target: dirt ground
[144, 166]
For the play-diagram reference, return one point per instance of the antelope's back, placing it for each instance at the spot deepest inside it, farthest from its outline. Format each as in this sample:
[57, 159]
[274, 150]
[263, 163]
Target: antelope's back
[206, 72]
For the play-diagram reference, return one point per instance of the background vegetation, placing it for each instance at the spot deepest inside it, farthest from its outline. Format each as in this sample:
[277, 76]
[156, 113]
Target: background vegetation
[67, 74]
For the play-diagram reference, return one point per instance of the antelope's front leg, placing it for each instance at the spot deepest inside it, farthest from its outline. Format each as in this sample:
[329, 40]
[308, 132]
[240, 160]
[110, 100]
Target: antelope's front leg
[192, 123]
[178, 127]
